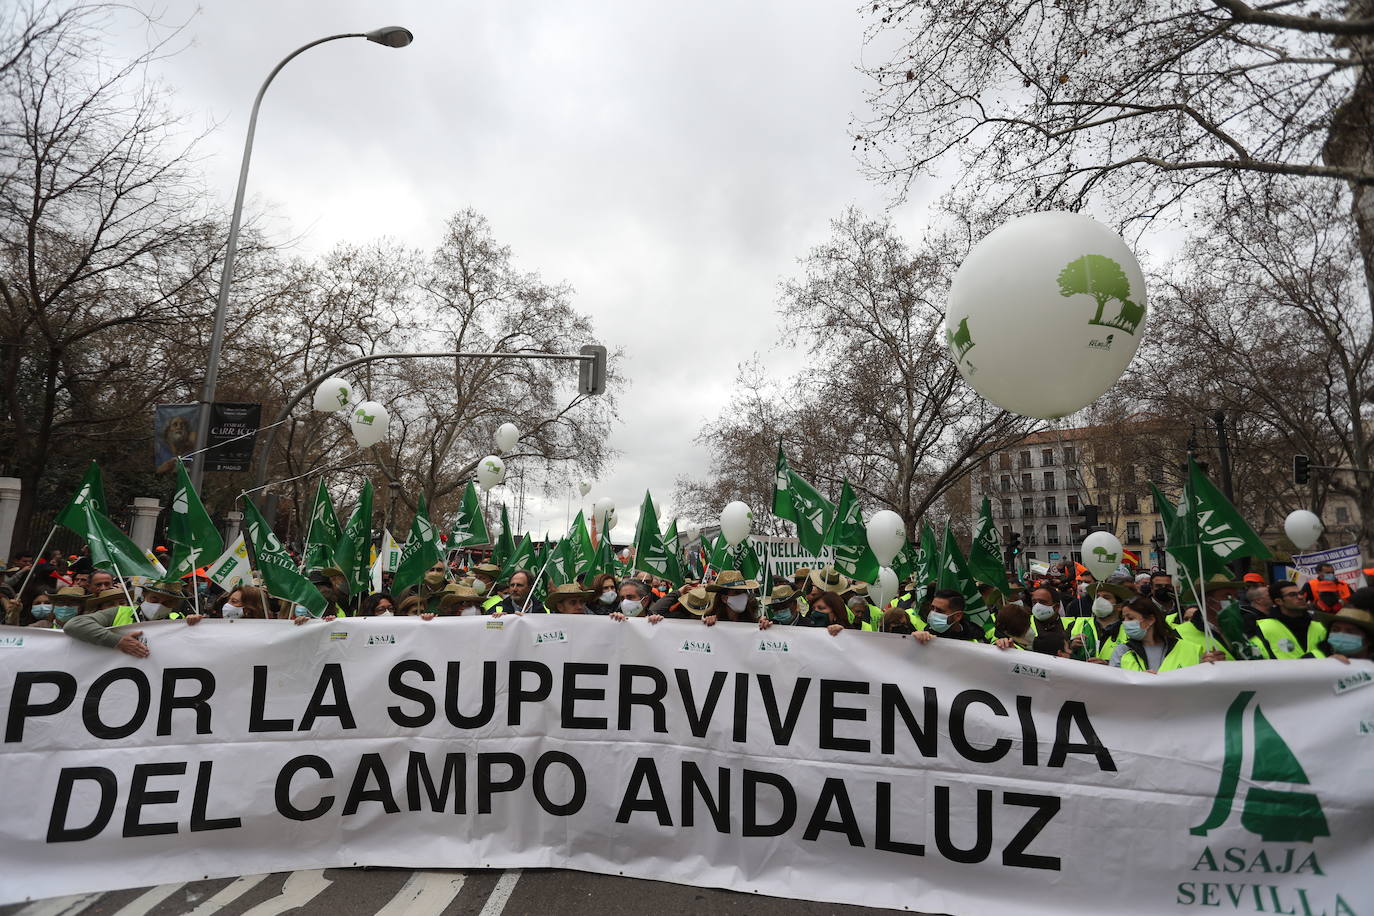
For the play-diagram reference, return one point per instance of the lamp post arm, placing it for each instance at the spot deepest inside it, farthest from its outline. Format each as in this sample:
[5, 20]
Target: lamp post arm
[260, 473]
[207, 396]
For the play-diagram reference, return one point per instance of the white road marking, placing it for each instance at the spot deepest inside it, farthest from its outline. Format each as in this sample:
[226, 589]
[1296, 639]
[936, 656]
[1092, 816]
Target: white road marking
[59, 906]
[300, 888]
[500, 894]
[425, 893]
[144, 902]
[227, 895]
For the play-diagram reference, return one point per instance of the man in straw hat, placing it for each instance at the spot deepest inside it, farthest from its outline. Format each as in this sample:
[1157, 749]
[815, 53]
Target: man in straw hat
[1350, 631]
[783, 607]
[107, 611]
[568, 599]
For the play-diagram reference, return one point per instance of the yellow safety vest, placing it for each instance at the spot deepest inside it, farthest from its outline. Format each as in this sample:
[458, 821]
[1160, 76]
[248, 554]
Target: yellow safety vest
[1282, 642]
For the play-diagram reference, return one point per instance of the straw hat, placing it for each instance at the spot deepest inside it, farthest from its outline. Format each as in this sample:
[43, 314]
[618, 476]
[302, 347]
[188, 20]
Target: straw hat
[164, 589]
[695, 600]
[855, 588]
[782, 594]
[1358, 616]
[454, 593]
[829, 580]
[731, 580]
[489, 569]
[564, 592]
[108, 594]
[69, 596]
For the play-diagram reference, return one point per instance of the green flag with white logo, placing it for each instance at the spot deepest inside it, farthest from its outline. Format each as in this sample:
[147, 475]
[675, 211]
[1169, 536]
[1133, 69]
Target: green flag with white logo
[985, 555]
[744, 558]
[651, 554]
[954, 574]
[603, 561]
[470, 526]
[670, 539]
[278, 570]
[111, 549]
[564, 564]
[849, 537]
[194, 537]
[1208, 532]
[521, 557]
[353, 553]
[91, 491]
[421, 550]
[801, 504]
[581, 539]
[718, 554]
[324, 532]
[927, 557]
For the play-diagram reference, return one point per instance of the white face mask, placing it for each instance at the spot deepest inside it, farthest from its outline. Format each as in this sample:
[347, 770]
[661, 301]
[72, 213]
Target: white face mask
[1082, 589]
[608, 598]
[1042, 611]
[1102, 607]
[737, 603]
[229, 612]
[631, 608]
[479, 586]
[387, 613]
[149, 608]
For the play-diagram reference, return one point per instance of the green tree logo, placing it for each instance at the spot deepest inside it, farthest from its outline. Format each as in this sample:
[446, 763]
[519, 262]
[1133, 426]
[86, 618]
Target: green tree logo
[1103, 279]
[960, 341]
[1276, 815]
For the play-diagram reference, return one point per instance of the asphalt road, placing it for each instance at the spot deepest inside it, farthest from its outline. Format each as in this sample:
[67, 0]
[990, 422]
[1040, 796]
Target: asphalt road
[397, 892]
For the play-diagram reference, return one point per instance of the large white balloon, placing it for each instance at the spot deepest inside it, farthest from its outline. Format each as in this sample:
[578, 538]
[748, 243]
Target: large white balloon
[1101, 554]
[602, 510]
[735, 522]
[585, 487]
[491, 470]
[886, 533]
[691, 532]
[332, 395]
[1045, 313]
[369, 422]
[610, 520]
[881, 593]
[506, 437]
[1303, 528]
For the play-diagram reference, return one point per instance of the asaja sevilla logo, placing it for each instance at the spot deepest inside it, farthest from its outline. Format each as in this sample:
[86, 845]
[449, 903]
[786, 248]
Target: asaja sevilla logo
[1274, 808]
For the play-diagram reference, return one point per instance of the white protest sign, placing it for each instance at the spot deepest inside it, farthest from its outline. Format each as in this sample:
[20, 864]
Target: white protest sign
[863, 768]
[1345, 560]
[786, 555]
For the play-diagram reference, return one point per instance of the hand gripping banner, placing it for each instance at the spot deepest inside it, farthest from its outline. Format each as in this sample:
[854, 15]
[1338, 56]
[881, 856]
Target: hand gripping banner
[862, 768]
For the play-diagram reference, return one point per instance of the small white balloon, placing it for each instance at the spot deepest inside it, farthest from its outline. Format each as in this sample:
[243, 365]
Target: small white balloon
[602, 510]
[332, 395]
[1303, 528]
[369, 422]
[1101, 554]
[491, 470]
[585, 487]
[735, 522]
[886, 534]
[881, 593]
[506, 437]
[1046, 282]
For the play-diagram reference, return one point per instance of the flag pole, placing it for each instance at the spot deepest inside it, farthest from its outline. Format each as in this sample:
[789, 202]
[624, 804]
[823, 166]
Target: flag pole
[530, 594]
[1201, 598]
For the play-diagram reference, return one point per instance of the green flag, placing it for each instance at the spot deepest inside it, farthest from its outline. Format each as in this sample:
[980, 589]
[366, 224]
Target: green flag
[324, 532]
[581, 539]
[1208, 531]
[91, 491]
[718, 554]
[904, 563]
[670, 539]
[353, 553]
[849, 537]
[195, 539]
[505, 541]
[421, 550]
[985, 554]
[521, 557]
[801, 504]
[954, 574]
[111, 549]
[603, 561]
[927, 558]
[277, 568]
[470, 526]
[564, 565]
[651, 555]
[745, 559]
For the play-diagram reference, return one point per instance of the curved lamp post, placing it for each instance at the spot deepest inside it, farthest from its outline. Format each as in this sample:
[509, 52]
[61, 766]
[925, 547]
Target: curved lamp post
[392, 37]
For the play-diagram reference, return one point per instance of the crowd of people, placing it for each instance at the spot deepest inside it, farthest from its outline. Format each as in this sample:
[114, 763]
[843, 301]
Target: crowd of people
[1137, 622]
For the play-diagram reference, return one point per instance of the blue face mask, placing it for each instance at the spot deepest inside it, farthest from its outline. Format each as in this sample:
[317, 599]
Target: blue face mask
[64, 613]
[41, 611]
[1134, 629]
[1345, 643]
[937, 621]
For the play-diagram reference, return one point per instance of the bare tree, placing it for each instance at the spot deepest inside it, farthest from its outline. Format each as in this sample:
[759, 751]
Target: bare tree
[1137, 105]
[881, 403]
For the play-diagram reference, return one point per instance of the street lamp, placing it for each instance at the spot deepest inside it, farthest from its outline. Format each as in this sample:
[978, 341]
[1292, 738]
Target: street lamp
[390, 36]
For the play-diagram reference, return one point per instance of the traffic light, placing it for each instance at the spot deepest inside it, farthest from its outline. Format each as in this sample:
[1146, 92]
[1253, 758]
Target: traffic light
[1302, 470]
[591, 376]
[1089, 523]
[1013, 548]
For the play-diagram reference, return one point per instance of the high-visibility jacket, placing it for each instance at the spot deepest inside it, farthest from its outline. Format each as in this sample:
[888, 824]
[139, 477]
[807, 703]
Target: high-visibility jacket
[1096, 642]
[1282, 642]
[125, 615]
[492, 602]
[1192, 644]
[1133, 657]
[1319, 589]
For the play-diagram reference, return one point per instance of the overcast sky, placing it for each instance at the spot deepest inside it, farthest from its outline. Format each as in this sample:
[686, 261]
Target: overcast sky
[671, 162]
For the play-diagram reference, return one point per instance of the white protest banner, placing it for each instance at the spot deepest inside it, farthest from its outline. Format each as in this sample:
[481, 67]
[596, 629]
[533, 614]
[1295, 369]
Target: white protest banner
[786, 555]
[1345, 560]
[861, 768]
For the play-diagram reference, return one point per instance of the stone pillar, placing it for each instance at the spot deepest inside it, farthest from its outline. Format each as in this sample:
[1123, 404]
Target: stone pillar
[144, 525]
[232, 527]
[9, 513]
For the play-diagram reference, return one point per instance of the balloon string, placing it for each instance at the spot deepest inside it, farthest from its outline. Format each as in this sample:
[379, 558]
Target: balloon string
[328, 467]
[248, 435]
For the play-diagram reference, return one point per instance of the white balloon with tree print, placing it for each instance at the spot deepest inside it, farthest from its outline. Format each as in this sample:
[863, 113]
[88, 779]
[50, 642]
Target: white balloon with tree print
[585, 487]
[369, 422]
[332, 395]
[1102, 552]
[1045, 313]
[491, 470]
